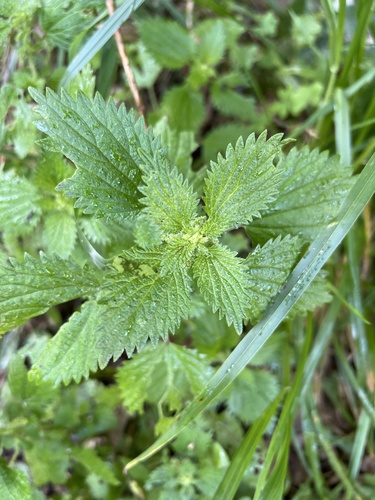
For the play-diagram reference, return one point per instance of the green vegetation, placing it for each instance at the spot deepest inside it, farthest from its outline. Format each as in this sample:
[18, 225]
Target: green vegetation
[186, 287]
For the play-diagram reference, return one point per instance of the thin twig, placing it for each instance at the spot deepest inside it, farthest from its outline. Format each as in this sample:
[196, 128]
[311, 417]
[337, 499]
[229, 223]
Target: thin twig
[125, 64]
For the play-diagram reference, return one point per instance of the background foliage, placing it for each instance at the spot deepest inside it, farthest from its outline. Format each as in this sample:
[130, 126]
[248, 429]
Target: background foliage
[208, 73]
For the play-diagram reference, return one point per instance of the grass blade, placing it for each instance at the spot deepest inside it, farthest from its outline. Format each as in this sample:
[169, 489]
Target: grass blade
[367, 78]
[243, 455]
[271, 482]
[312, 452]
[96, 42]
[352, 488]
[359, 444]
[354, 383]
[306, 270]
[354, 250]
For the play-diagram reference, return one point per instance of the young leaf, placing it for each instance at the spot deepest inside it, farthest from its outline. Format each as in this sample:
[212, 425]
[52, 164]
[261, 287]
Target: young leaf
[13, 484]
[147, 70]
[105, 232]
[31, 394]
[61, 23]
[223, 282]
[174, 479]
[313, 186]
[103, 142]
[168, 42]
[94, 464]
[19, 210]
[134, 377]
[192, 365]
[52, 170]
[179, 146]
[30, 288]
[190, 106]
[169, 373]
[211, 45]
[60, 233]
[48, 459]
[317, 294]
[232, 103]
[268, 267]
[251, 393]
[141, 305]
[146, 233]
[73, 351]
[241, 185]
[216, 140]
[210, 334]
[170, 202]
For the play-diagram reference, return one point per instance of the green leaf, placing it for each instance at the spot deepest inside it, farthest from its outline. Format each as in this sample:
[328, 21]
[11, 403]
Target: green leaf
[5, 30]
[19, 210]
[241, 185]
[169, 199]
[103, 142]
[29, 392]
[184, 107]
[23, 133]
[216, 140]
[268, 267]
[167, 41]
[192, 365]
[211, 45]
[134, 377]
[85, 81]
[13, 484]
[146, 233]
[48, 460]
[73, 351]
[52, 170]
[251, 393]
[179, 145]
[317, 294]
[305, 29]
[148, 70]
[30, 288]
[211, 335]
[106, 232]
[232, 103]
[60, 233]
[199, 434]
[142, 305]
[267, 24]
[293, 100]
[222, 280]
[94, 464]
[61, 22]
[170, 374]
[313, 186]
[175, 478]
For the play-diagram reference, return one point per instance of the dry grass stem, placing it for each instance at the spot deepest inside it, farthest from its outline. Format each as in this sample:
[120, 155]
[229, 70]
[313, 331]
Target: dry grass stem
[126, 65]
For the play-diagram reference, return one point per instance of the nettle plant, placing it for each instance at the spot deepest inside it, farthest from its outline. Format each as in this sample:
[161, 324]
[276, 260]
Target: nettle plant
[141, 294]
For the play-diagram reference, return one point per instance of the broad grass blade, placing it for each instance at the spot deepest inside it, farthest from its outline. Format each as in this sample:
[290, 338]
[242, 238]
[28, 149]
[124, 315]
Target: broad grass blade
[99, 39]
